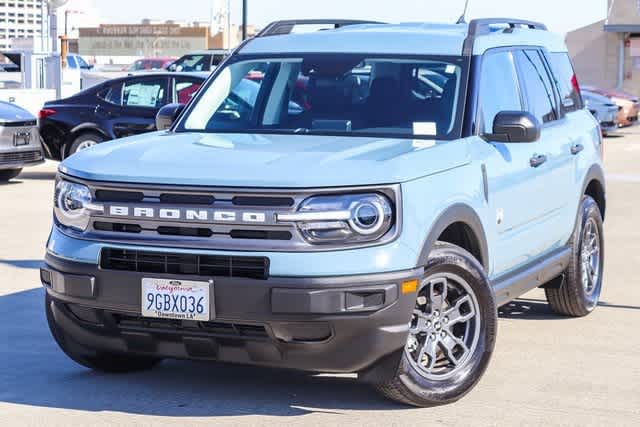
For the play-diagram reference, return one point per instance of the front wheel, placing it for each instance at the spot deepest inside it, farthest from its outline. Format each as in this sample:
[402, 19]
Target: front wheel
[9, 174]
[452, 332]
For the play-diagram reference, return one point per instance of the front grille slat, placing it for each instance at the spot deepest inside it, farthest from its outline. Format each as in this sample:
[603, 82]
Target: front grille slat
[184, 264]
[20, 156]
[170, 326]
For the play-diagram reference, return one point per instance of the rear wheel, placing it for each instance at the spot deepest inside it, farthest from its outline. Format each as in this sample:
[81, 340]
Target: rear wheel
[8, 174]
[92, 358]
[579, 290]
[452, 332]
[84, 141]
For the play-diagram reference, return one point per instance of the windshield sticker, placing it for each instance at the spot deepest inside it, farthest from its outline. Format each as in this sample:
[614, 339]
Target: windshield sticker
[424, 128]
[450, 69]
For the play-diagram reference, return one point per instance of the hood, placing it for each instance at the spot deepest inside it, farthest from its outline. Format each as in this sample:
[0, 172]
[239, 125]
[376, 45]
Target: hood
[250, 160]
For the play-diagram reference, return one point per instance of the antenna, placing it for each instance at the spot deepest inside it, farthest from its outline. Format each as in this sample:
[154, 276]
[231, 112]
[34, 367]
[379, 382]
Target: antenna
[462, 19]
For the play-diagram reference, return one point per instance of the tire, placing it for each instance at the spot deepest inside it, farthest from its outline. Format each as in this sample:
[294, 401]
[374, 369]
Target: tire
[9, 174]
[579, 290]
[411, 383]
[85, 140]
[94, 359]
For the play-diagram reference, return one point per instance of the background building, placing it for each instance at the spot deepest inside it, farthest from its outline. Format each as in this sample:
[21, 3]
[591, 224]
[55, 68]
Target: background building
[114, 43]
[607, 53]
[20, 19]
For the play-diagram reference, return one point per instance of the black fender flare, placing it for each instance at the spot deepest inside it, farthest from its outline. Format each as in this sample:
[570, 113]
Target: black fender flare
[595, 173]
[458, 212]
[89, 126]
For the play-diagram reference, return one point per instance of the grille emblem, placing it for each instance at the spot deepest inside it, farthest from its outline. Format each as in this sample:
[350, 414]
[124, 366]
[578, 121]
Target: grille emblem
[187, 215]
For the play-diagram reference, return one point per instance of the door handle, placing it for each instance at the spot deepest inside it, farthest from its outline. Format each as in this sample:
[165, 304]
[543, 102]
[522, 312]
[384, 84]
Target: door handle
[537, 160]
[576, 148]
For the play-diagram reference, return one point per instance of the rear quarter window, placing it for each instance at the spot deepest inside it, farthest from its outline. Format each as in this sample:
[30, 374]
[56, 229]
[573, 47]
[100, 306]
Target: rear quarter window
[566, 81]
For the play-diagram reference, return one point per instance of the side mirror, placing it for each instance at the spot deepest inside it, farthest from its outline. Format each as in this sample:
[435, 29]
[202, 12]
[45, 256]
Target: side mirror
[515, 126]
[167, 115]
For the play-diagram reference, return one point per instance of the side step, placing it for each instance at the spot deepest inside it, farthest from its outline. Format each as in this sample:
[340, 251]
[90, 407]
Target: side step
[514, 284]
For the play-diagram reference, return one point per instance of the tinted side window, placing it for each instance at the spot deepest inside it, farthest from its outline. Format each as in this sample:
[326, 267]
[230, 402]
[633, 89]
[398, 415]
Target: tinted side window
[537, 85]
[112, 94]
[146, 93]
[567, 81]
[498, 88]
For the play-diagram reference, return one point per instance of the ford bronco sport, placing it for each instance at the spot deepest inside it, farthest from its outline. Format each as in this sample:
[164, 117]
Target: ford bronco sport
[426, 175]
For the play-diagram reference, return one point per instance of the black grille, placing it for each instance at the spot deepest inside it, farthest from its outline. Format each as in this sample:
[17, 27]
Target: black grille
[263, 201]
[187, 199]
[119, 196]
[185, 264]
[217, 329]
[20, 156]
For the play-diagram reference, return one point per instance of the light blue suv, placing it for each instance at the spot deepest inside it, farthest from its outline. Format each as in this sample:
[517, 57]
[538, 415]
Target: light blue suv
[359, 199]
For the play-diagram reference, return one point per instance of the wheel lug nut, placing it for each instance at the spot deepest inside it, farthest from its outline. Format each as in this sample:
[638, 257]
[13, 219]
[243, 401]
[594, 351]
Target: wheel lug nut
[445, 320]
[436, 313]
[433, 337]
[443, 334]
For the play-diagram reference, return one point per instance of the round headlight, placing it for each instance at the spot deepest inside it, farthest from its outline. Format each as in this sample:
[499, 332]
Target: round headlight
[344, 218]
[73, 205]
[368, 217]
[73, 198]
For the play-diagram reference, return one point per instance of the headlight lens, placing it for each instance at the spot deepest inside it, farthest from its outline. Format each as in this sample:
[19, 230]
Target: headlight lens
[73, 205]
[350, 218]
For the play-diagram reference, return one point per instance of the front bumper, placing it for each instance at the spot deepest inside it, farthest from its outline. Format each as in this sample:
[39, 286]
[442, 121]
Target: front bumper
[18, 159]
[323, 324]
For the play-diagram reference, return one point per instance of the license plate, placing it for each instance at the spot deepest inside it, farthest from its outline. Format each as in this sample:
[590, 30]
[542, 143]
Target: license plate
[21, 138]
[176, 299]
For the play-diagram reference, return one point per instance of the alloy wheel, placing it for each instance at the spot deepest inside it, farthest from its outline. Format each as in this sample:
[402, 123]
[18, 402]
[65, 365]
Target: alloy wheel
[590, 257]
[445, 326]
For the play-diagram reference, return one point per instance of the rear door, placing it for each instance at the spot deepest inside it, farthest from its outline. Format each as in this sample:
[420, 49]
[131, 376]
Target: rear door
[132, 105]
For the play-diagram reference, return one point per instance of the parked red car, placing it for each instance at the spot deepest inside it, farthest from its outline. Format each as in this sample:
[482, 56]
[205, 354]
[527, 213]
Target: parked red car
[150, 64]
[629, 103]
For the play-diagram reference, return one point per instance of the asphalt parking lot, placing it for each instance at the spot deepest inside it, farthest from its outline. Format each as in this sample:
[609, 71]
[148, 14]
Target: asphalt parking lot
[546, 370]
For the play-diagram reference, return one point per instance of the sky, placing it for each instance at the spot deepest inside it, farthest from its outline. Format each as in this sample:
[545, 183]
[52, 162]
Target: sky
[560, 15]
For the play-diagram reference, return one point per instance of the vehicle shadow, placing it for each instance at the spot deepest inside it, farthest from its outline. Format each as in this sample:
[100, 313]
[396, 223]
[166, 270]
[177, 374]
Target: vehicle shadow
[28, 264]
[33, 371]
[535, 309]
[37, 175]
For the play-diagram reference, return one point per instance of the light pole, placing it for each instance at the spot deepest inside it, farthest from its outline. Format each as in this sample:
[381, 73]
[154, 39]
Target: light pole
[244, 20]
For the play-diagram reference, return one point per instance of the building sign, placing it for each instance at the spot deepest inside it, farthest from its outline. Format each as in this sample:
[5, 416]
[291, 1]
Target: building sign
[142, 30]
[141, 40]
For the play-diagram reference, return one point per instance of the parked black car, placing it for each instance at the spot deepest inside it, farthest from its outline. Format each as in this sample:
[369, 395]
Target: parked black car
[205, 60]
[113, 109]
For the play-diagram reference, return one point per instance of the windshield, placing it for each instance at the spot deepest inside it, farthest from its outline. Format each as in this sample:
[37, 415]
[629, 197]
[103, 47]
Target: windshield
[337, 94]
[192, 63]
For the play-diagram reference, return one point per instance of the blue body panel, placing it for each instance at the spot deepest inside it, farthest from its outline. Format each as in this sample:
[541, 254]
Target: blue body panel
[433, 177]
[524, 212]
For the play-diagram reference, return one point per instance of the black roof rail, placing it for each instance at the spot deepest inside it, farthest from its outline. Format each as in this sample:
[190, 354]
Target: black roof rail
[478, 27]
[279, 28]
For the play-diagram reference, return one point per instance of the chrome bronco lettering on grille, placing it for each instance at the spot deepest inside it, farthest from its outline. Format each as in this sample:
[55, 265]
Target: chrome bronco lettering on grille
[187, 214]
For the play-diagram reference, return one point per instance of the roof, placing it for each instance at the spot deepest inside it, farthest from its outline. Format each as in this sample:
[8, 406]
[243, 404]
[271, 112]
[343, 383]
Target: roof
[405, 38]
